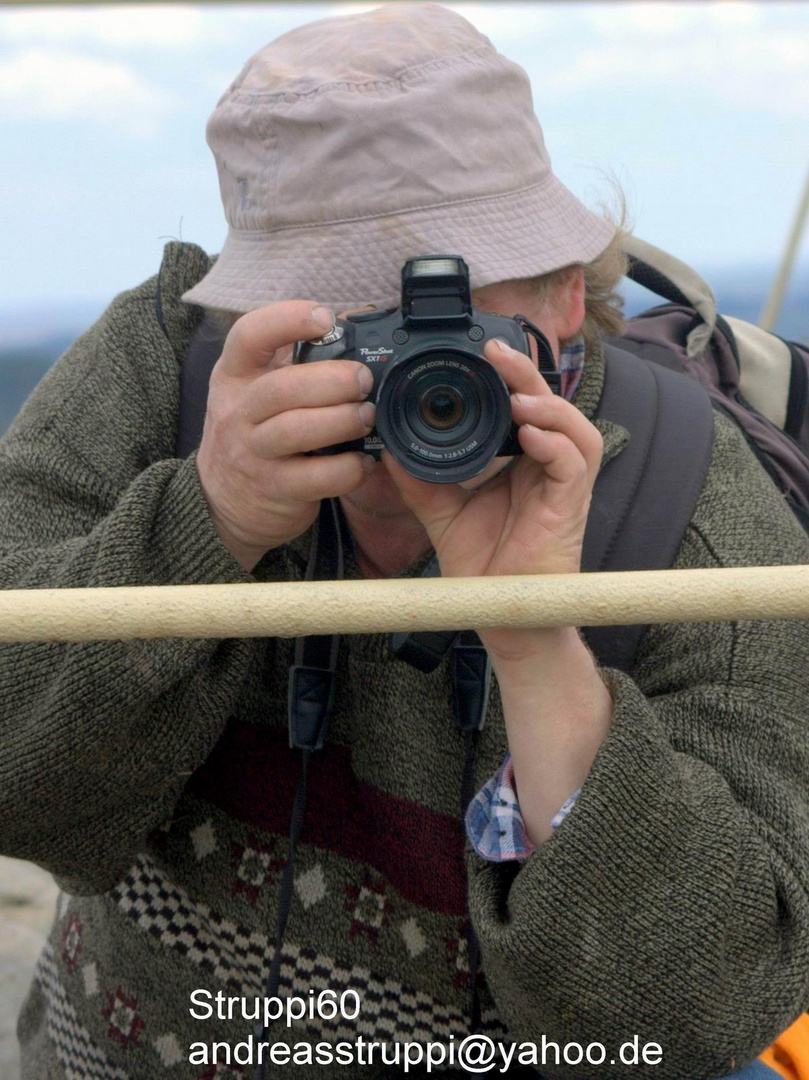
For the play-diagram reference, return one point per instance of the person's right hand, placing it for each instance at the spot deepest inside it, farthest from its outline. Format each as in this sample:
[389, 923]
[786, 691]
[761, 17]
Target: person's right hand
[264, 413]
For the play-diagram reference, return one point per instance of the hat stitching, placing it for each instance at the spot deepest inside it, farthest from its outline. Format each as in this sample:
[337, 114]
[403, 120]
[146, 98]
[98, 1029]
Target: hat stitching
[469, 56]
[258, 233]
[483, 52]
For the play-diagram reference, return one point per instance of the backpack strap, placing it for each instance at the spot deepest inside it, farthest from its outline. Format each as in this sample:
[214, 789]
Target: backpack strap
[195, 373]
[644, 498]
[676, 282]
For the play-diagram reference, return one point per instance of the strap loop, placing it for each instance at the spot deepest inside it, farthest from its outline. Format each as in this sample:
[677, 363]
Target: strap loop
[310, 701]
[312, 677]
[471, 678]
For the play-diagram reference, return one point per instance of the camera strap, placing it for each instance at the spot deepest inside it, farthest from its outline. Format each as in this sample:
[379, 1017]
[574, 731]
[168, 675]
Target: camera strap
[470, 670]
[312, 677]
[545, 358]
[310, 704]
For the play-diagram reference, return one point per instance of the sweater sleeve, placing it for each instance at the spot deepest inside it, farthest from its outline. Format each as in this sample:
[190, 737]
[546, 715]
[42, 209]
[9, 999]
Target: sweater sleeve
[99, 738]
[674, 904]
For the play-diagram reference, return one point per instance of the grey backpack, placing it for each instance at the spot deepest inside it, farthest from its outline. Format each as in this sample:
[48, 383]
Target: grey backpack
[760, 381]
[757, 378]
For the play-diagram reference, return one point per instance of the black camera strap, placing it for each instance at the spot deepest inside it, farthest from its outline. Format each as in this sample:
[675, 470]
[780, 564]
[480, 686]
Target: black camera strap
[310, 704]
[546, 361]
[312, 677]
[470, 671]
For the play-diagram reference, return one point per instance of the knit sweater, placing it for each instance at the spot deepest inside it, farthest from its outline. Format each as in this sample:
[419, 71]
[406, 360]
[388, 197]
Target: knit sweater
[153, 778]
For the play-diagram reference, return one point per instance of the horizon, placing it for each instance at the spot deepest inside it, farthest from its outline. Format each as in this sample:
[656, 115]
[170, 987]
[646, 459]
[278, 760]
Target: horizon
[739, 290]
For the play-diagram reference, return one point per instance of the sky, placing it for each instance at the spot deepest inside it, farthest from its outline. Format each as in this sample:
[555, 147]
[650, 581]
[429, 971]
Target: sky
[699, 111]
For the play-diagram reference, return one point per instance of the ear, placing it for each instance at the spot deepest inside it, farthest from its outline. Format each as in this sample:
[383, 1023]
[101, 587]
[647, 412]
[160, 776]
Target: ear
[568, 304]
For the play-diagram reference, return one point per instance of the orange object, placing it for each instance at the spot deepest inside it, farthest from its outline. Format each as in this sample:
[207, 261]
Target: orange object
[789, 1054]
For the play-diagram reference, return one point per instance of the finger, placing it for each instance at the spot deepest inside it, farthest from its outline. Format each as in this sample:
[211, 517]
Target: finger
[519, 372]
[309, 479]
[435, 505]
[254, 341]
[307, 386]
[298, 431]
[555, 414]
[564, 466]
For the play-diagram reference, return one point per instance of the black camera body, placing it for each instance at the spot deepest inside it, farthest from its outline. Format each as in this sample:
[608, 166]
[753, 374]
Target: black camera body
[442, 410]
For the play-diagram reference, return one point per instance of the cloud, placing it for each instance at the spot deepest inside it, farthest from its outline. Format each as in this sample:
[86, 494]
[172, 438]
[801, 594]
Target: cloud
[506, 23]
[158, 26]
[502, 22]
[754, 59]
[42, 84]
[179, 28]
[661, 19]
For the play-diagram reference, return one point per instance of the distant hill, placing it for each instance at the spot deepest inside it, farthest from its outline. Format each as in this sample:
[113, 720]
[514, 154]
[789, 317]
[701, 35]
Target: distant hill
[20, 371]
[31, 339]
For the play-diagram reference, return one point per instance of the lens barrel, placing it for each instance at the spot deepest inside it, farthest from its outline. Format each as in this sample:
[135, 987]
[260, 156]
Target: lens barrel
[443, 413]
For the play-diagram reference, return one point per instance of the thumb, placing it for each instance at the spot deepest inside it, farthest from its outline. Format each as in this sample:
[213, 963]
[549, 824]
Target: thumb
[435, 505]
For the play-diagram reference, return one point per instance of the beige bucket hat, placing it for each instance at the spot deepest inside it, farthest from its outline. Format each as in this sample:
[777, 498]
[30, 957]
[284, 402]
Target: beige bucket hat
[354, 143]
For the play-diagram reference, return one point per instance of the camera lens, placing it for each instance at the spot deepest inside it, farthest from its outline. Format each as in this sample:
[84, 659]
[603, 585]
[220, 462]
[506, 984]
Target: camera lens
[443, 413]
[442, 407]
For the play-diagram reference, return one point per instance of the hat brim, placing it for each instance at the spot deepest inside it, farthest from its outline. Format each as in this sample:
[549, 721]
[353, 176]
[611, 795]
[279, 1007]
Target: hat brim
[345, 264]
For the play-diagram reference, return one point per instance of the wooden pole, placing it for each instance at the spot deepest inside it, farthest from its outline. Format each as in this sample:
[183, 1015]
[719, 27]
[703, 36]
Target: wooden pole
[770, 314]
[290, 609]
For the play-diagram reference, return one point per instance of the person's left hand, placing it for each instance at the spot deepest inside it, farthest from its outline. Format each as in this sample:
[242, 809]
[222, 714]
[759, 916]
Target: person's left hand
[531, 519]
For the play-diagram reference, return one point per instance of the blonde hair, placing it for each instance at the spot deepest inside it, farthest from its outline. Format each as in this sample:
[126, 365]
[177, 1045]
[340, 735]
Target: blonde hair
[603, 302]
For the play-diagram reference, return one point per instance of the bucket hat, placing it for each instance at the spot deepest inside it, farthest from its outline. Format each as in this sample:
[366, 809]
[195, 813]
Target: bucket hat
[351, 144]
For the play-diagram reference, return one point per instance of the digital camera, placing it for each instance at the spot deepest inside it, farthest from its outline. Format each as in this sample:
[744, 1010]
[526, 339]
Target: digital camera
[442, 410]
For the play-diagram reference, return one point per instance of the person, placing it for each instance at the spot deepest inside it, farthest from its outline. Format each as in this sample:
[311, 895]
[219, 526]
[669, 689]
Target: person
[664, 915]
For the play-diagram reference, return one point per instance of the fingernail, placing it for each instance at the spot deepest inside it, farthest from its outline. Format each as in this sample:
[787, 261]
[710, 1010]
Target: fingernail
[503, 346]
[367, 413]
[323, 318]
[368, 462]
[366, 380]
